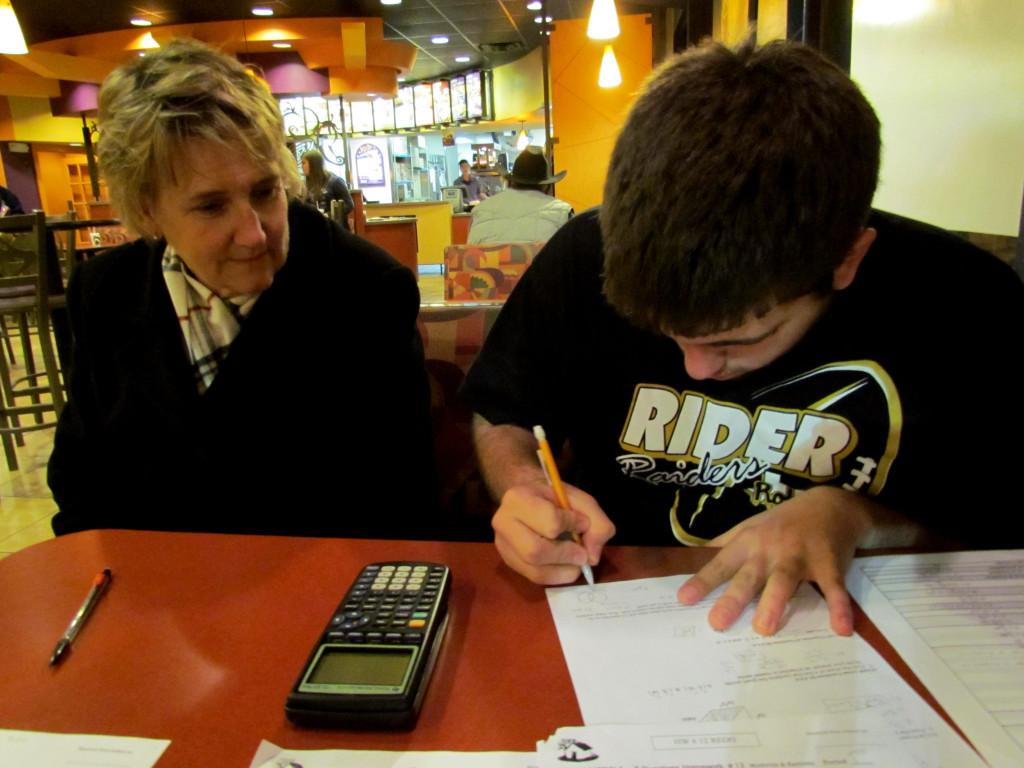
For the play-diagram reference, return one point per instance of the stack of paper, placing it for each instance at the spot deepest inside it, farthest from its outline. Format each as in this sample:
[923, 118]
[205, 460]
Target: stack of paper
[637, 656]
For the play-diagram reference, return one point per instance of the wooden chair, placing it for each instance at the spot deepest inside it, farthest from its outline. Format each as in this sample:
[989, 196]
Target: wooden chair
[30, 289]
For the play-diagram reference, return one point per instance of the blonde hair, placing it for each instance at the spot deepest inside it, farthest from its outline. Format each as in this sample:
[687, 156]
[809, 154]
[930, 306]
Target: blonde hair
[149, 109]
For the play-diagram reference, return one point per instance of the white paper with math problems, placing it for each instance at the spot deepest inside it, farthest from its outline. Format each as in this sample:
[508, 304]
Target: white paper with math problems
[957, 619]
[636, 655]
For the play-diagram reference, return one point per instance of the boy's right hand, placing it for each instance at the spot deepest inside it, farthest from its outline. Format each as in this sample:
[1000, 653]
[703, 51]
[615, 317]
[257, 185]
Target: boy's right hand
[528, 524]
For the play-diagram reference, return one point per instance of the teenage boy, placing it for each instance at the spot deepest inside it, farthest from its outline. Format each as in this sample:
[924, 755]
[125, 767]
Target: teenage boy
[737, 351]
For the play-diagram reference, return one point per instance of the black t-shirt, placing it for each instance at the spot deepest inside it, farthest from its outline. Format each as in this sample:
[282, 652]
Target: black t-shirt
[901, 390]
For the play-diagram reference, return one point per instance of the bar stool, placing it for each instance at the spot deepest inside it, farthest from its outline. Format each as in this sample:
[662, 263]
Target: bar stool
[26, 292]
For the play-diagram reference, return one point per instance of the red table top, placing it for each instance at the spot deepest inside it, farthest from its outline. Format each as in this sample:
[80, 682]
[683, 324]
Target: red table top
[200, 637]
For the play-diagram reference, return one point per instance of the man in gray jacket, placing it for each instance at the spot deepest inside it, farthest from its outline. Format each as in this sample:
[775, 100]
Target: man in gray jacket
[524, 212]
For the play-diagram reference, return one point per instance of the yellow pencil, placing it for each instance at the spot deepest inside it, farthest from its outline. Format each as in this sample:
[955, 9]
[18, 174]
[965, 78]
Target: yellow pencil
[547, 463]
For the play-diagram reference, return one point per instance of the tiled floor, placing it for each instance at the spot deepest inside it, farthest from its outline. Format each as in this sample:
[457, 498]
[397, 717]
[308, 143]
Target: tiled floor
[26, 505]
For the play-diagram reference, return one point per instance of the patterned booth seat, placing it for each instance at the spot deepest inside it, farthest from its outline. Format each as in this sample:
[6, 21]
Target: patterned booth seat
[485, 272]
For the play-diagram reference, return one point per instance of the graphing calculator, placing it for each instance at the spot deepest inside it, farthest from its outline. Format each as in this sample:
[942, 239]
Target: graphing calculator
[371, 666]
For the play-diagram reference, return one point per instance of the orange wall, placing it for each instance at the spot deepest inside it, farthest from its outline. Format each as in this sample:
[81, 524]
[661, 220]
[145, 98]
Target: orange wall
[587, 119]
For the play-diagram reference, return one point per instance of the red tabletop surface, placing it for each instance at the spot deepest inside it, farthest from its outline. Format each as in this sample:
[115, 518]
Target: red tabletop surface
[200, 637]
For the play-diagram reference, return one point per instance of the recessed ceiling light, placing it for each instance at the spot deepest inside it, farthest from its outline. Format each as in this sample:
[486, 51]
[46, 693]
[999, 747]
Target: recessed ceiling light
[538, 19]
[281, 45]
[262, 10]
[534, 6]
[462, 59]
[390, 2]
[139, 22]
[548, 19]
[439, 40]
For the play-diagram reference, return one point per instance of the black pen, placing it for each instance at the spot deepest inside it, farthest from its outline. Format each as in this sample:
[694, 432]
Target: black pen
[99, 586]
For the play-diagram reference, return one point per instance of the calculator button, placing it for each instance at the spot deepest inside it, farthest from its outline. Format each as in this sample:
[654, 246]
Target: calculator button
[413, 637]
[402, 614]
[355, 637]
[405, 568]
[420, 614]
[416, 624]
[387, 569]
[393, 637]
[337, 635]
[374, 637]
[352, 614]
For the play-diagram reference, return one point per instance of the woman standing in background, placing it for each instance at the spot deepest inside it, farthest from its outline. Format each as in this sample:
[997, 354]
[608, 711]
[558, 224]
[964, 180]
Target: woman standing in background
[322, 186]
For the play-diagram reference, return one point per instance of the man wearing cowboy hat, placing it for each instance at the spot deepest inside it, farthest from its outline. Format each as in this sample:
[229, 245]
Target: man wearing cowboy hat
[524, 212]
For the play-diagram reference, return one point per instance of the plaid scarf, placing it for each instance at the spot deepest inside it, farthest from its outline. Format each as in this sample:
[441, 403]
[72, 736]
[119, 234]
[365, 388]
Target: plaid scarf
[208, 322]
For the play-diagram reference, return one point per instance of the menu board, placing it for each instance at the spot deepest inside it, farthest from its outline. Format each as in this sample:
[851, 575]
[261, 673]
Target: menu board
[442, 102]
[423, 99]
[291, 111]
[404, 116]
[384, 114]
[315, 113]
[346, 112]
[474, 95]
[458, 93]
[334, 113]
[362, 117]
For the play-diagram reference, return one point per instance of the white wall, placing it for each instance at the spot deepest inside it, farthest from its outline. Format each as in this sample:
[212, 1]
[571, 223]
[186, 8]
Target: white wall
[947, 81]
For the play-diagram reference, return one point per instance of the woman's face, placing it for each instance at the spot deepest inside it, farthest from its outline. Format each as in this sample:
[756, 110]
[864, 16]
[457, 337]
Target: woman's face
[225, 216]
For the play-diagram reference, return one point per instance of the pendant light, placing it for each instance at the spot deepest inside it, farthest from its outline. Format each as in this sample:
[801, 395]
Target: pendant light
[604, 21]
[11, 39]
[609, 76]
[523, 138]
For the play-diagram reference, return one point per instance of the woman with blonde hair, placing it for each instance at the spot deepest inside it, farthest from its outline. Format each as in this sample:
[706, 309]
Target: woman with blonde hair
[230, 372]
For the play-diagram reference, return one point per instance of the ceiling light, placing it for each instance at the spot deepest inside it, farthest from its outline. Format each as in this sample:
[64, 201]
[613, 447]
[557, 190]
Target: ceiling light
[609, 76]
[534, 6]
[281, 45]
[390, 2]
[11, 39]
[372, 95]
[262, 10]
[462, 59]
[148, 42]
[140, 22]
[604, 21]
[538, 19]
[439, 40]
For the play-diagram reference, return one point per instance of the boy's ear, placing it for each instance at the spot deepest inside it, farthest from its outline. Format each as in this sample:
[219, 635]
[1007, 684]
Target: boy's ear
[846, 271]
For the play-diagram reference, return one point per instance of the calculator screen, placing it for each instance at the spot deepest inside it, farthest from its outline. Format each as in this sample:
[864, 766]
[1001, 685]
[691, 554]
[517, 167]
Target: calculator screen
[372, 666]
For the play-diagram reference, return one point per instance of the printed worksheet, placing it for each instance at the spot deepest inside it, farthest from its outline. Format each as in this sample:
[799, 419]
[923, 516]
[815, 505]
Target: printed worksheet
[957, 619]
[55, 750]
[858, 738]
[272, 756]
[636, 655]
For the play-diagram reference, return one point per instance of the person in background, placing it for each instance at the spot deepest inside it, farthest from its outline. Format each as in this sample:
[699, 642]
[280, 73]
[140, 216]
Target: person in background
[10, 205]
[246, 363]
[739, 352]
[472, 190]
[526, 211]
[322, 186]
